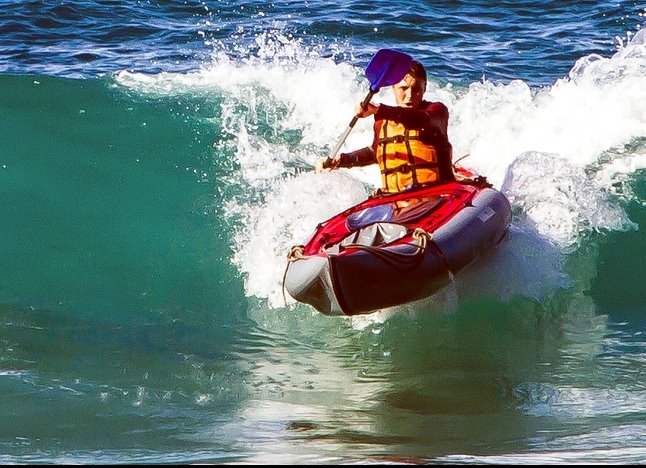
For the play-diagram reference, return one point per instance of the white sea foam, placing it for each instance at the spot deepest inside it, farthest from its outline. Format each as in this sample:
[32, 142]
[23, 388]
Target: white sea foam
[559, 199]
[287, 218]
[541, 147]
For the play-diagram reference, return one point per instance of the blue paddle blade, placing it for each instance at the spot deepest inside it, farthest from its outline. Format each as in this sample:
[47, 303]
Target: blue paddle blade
[387, 68]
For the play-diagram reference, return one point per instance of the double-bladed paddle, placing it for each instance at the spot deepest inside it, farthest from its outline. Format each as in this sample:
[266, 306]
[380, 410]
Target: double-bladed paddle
[386, 68]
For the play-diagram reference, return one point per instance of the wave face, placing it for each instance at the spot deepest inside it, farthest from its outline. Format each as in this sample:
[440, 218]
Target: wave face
[156, 164]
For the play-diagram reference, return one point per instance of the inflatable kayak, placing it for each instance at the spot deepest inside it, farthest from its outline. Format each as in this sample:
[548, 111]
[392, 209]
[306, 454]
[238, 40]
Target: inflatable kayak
[396, 248]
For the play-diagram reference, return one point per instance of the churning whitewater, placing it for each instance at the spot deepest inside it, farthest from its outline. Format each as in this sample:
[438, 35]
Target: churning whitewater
[539, 146]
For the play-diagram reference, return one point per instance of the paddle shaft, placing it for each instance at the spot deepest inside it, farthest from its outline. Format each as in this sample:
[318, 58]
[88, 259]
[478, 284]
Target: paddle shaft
[364, 104]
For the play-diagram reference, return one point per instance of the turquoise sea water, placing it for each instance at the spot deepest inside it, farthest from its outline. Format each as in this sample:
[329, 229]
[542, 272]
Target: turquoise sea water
[156, 163]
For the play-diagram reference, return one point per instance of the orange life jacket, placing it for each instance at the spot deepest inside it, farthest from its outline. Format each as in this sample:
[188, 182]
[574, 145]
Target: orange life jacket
[404, 159]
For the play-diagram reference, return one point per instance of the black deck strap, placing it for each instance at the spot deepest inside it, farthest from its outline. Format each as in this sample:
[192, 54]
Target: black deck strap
[479, 181]
[398, 260]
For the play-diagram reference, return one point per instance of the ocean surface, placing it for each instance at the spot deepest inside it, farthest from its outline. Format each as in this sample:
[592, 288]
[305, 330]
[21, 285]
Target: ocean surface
[156, 164]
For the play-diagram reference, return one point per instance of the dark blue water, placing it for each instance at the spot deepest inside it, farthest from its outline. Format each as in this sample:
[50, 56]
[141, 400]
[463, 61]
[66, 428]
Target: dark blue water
[156, 164]
[535, 42]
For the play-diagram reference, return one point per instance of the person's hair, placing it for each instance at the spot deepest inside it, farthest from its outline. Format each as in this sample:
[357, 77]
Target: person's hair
[417, 70]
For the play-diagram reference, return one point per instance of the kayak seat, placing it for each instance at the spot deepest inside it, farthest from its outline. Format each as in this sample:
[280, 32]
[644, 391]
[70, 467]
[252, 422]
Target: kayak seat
[404, 211]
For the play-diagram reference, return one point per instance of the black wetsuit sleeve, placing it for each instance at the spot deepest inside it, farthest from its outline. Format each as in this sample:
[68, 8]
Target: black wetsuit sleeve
[360, 157]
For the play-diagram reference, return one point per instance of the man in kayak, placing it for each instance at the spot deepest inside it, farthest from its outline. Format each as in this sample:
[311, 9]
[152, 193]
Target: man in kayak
[410, 143]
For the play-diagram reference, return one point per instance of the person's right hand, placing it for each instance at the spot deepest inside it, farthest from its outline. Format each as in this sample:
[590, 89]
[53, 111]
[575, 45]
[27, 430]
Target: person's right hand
[362, 112]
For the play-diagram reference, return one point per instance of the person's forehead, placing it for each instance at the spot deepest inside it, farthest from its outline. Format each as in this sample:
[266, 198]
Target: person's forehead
[410, 80]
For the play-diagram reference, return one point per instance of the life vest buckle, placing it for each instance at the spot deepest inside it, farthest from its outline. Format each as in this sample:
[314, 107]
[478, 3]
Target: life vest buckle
[403, 169]
[399, 138]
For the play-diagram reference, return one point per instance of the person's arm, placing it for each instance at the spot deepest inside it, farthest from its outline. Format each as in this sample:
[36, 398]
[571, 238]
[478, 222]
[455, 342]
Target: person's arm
[361, 157]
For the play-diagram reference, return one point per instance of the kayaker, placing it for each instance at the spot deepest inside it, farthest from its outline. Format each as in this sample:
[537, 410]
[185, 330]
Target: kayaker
[410, 142]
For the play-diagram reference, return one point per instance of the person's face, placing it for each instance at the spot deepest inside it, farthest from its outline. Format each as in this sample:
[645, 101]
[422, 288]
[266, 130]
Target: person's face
[409, 92]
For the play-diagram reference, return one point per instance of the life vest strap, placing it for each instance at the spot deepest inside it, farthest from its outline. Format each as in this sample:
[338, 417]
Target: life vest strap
[397, 139]
[406, 168]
